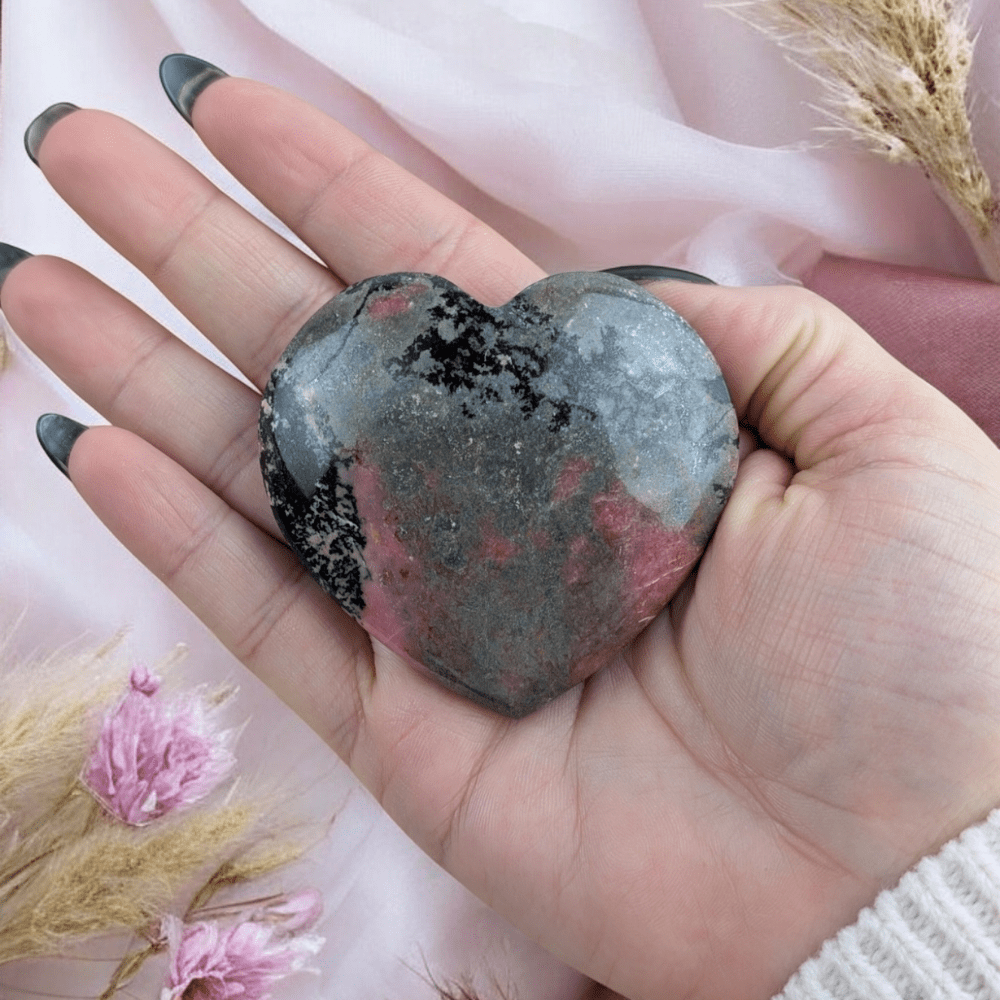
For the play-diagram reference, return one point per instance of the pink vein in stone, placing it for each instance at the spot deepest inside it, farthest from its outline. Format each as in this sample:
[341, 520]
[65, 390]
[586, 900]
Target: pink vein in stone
[656, 558]
[388, 561]
[391, 304]
[494, 547]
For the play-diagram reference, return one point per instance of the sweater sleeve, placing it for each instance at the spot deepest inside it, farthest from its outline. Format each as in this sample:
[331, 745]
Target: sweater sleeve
[935, 936]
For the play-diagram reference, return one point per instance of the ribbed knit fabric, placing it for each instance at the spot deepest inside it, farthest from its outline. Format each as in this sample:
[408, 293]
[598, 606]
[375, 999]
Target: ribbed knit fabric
[935, 936]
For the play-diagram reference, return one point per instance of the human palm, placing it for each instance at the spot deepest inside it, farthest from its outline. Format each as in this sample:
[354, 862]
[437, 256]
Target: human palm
[818, 708]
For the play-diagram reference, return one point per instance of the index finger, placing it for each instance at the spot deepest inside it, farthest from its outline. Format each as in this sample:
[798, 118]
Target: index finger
[359, 211]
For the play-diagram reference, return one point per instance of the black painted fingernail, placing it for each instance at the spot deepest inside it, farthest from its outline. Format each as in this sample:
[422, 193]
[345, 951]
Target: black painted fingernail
[642, 273]
[184, 78]
[57, 435]
[10, 257]
[39, 128]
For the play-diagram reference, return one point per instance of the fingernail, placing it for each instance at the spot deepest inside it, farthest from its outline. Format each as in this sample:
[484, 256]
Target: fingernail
[184, 78]
[643, 273]
[57, 435]
[39, 128]
[10, 257]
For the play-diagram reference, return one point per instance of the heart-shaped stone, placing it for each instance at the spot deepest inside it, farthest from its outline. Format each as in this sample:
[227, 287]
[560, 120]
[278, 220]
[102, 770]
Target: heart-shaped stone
[506, 496]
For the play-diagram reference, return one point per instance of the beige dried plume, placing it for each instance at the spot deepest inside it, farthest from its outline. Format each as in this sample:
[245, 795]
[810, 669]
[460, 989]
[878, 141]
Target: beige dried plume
[895, 75]
[49, 713]
[115, 878]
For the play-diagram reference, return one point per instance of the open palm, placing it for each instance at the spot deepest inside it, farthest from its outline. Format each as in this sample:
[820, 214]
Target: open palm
[819, 707]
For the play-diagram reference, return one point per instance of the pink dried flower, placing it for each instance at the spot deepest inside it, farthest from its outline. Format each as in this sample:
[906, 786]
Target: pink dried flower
[154, 756]
[209, 963]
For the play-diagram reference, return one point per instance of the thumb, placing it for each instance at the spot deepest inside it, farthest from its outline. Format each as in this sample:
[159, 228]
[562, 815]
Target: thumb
[810, 381]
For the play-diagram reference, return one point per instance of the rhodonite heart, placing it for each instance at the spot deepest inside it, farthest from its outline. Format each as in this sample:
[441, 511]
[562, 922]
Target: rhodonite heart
[506, 496]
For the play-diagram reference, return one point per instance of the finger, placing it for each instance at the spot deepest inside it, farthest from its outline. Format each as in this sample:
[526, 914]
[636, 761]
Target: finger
[245, 287]
[811, 382]
[360, 212]
[140, 377]
[247, 587]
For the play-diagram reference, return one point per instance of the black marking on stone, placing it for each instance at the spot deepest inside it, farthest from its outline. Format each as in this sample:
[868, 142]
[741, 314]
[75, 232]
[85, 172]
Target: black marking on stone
[340, 567]
[446, 542]
[720, 441]
[484, 348]
[330, 513]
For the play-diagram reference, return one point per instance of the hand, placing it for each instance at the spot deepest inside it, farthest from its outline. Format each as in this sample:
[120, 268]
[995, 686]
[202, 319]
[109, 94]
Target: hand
[816, 710]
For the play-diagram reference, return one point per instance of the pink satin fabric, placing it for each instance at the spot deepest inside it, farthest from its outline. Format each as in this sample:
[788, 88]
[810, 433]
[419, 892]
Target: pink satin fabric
[946, 329]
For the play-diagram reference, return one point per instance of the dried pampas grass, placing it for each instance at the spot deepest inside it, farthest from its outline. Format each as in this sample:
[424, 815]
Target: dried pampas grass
[895, 75]
[240, 867]
[458, 992]
[115, 878]
[49, 714]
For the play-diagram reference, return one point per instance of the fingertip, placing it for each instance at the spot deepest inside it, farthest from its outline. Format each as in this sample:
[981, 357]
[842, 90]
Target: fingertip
[184, 78]
[57, 435]
[10, 257]
[35, 133]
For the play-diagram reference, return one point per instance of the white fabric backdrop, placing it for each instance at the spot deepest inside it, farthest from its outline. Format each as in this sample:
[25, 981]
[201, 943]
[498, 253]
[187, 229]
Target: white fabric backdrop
[591, 133]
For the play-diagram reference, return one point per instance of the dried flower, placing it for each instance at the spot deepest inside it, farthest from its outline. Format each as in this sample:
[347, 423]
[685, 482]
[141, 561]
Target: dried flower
[895, 74]
[155, 756]
[208, 962]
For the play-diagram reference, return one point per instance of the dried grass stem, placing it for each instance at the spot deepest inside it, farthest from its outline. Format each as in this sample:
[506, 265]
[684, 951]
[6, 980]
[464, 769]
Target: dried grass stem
[895, 74]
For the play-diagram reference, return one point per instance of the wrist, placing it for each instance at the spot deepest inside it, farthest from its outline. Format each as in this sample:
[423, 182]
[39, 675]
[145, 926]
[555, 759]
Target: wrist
[936, 933]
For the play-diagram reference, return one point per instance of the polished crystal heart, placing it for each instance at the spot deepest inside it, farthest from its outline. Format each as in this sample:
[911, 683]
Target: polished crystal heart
[506, 496]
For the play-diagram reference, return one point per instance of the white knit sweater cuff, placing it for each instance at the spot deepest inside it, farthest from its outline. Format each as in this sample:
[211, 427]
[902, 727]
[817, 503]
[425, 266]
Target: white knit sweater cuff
[935, 936]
